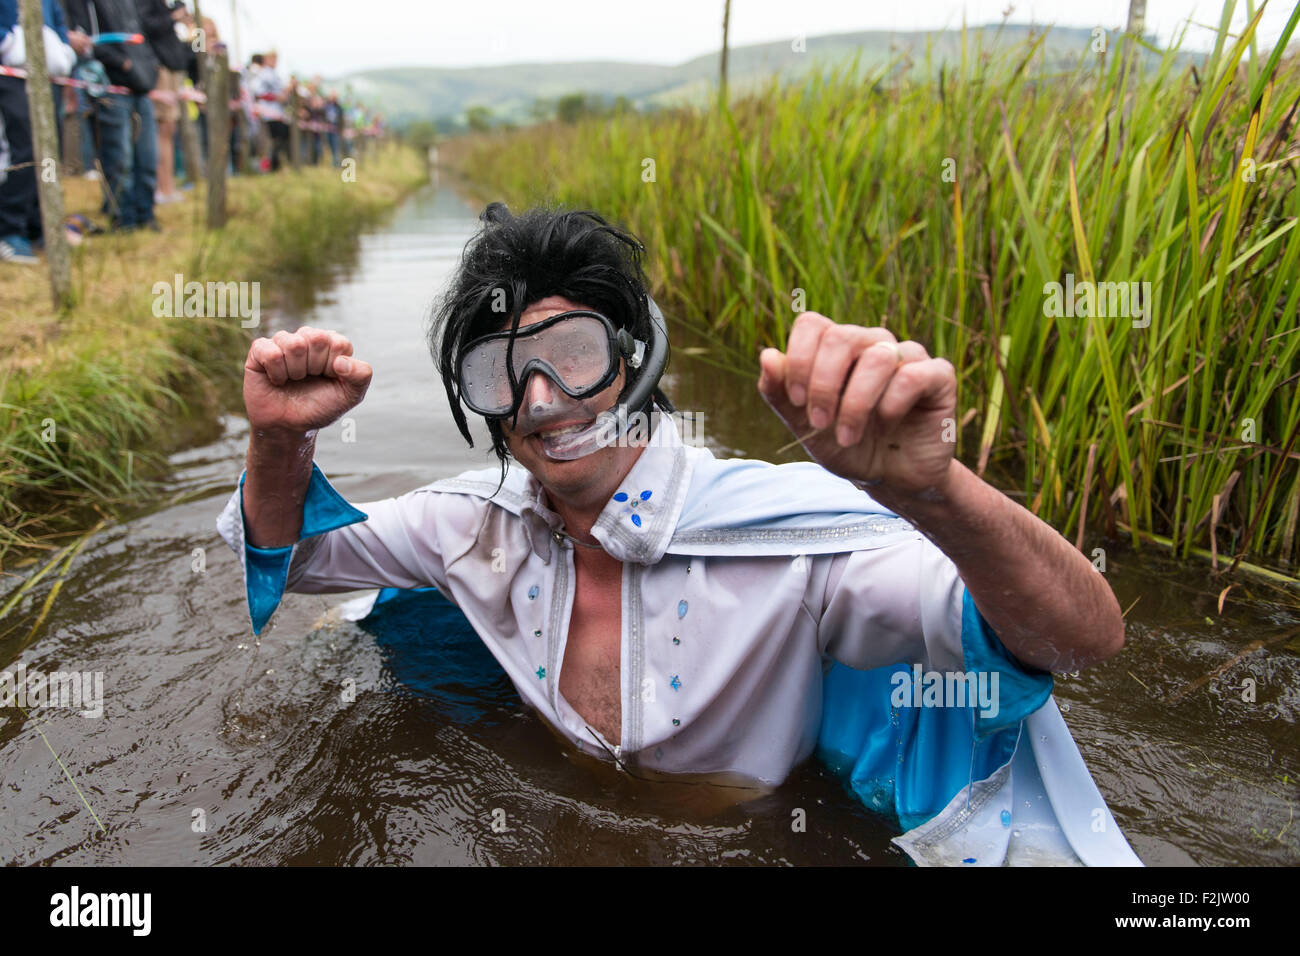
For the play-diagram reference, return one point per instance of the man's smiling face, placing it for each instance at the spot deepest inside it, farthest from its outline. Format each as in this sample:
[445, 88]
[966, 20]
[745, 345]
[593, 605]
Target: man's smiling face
[582, 481]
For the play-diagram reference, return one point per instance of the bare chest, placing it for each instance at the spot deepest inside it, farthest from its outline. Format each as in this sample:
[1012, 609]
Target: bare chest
[590, 679]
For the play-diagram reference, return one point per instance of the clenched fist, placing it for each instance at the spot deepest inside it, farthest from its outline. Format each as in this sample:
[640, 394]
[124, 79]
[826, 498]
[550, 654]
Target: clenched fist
[882, 409]
[297, 382]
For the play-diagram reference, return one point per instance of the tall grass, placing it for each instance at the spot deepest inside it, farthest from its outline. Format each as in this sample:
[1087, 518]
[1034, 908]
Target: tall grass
[92, 397]
[941, 201]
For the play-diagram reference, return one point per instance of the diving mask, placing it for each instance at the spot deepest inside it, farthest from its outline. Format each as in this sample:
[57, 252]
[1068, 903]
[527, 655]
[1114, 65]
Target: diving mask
[578, 352]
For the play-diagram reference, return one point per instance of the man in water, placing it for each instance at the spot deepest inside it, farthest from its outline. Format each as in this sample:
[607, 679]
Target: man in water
[656, 605]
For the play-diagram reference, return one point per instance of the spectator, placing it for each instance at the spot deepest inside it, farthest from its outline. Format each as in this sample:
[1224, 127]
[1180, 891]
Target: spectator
[130, 161]
[20, 210]
[334, 118]
[269, 91]
[161, 20]
[316, 117]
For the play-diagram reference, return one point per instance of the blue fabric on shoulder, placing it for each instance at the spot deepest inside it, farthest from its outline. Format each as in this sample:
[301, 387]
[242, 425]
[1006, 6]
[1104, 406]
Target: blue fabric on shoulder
[324, 509]
[910, 761]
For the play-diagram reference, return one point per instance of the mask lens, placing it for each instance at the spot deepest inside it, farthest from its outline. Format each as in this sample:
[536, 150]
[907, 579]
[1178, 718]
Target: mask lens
[574, 352]
[483, 379]
[577, 349]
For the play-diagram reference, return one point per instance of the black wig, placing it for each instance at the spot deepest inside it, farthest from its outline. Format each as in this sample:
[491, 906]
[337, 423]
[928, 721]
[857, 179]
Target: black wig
[515, 261]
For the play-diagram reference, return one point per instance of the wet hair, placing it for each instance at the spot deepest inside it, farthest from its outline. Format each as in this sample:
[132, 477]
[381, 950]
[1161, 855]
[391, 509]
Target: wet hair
[514, 261]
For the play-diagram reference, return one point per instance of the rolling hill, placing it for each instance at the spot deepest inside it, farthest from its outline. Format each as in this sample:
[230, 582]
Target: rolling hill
[509, 91]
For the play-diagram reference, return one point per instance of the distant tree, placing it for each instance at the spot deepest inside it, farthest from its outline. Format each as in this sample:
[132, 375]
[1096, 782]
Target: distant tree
[623, 105]
[571, 107]
[478, 118]
[422, 133]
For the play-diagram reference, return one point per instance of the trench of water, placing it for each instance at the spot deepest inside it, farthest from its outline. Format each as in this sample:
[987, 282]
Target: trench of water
[215, 747]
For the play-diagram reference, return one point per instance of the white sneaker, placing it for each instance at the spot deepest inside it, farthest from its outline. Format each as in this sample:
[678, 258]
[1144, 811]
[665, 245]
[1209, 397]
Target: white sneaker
[9, 254]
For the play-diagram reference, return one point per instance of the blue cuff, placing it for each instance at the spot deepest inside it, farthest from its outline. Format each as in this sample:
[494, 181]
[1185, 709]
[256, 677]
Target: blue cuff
[324, 509]
[1021, 691]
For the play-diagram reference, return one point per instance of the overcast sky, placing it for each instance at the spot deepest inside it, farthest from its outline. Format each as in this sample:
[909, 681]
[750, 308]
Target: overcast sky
[338, 36]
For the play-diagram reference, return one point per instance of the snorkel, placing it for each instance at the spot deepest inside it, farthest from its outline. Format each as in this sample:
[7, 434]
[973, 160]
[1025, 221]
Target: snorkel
[610, 426]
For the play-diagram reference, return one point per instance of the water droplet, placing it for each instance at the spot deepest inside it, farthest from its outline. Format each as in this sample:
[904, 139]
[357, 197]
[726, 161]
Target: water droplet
[1027, 803]
[681, 608]
[1065, 706]
[1015, 833]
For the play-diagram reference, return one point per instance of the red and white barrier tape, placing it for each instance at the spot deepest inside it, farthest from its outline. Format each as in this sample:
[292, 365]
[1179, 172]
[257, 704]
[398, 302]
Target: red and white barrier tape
[63, 81]
[192, 95]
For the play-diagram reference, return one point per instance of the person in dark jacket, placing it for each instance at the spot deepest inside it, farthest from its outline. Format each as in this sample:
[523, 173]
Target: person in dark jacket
[129, 155]
[20, 211]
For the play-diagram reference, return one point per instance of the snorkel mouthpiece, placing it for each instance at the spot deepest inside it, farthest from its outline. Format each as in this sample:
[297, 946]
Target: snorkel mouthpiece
[581, 443]
[538, 417]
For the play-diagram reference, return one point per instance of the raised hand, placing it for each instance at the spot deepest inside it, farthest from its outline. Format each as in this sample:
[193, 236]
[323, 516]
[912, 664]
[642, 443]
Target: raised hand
[298, 382]
[882, 410]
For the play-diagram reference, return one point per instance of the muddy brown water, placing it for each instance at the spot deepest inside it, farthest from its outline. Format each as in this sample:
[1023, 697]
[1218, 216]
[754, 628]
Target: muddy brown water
[214, 747]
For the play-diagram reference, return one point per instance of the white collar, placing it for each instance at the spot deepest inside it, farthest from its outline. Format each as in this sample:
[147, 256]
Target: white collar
[638, 521]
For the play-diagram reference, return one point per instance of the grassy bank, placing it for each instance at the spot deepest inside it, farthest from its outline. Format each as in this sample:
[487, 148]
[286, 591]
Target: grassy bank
[90, 398]
[944, 202]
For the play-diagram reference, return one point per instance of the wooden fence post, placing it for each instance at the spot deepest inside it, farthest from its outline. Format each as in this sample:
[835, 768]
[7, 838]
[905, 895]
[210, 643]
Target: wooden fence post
[295, 135]
[72, 164]
[218, 137]
[201, 53]
[45, 154]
